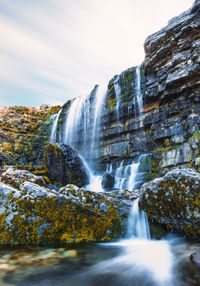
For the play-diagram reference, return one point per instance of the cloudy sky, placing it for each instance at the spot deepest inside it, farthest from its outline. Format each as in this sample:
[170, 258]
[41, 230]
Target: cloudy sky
[54, 50]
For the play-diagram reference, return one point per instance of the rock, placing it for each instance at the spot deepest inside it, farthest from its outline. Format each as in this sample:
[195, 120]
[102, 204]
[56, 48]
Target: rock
[173, 200]
[195, 258]
[108, 182]
[33, 214]
[64, 165]
[15, 177]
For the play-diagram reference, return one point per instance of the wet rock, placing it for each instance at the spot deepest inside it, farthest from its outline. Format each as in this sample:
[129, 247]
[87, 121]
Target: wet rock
[108, 182]
[173, 200]
[64, 165]
[195, 258]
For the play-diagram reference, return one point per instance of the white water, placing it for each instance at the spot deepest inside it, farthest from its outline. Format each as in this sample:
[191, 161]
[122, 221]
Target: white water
[94, 180]
[117, 88]
[73, 120]
[54, 127]
[138, 98]
[137, 224]
[147, 261]
[125, 176]
[99, 102]
[82, 123]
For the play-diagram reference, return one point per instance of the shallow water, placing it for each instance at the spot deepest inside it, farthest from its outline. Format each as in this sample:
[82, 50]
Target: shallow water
[128, 262]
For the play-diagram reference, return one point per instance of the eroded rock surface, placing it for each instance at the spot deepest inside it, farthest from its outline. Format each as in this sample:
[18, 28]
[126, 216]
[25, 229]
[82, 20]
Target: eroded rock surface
[174, 200]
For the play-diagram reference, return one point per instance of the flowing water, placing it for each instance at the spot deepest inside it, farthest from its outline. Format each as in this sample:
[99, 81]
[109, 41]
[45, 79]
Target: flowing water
[138, 99]
[117, 88]
[53, 133]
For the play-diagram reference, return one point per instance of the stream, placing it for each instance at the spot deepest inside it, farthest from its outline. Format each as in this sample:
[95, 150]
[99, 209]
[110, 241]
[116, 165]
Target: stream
[134, 262]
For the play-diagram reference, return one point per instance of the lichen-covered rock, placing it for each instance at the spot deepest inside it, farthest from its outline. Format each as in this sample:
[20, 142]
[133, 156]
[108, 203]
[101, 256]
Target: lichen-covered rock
[64, 165]
[32, 214]
[174, 200]
[15, 177]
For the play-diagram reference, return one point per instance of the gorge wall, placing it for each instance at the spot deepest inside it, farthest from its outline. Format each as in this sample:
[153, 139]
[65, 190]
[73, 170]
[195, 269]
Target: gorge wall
[168, 128]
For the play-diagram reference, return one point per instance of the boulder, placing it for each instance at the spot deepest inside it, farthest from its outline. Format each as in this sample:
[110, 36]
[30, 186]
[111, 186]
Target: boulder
[33, 214]
[64, 165]
[108, 181]
[15, 177]
[173, 200]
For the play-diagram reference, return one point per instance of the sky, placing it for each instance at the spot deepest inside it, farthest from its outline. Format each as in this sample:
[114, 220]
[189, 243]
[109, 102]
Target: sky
[55, 50]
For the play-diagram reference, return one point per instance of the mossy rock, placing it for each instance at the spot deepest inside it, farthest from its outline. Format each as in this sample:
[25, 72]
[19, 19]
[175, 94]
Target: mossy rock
[174, 201]
[32, 214]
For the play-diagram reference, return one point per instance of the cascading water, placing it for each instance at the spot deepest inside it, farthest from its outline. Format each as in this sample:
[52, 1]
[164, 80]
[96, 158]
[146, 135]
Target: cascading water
[125, 176]
[53, 134]
[86, 140]
[117, 88]
[138, 104]
[137, 224]
[99, 102]
[73, 122]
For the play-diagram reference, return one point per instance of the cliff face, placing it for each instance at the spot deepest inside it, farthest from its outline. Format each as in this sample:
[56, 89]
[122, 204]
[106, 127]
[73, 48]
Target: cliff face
[170, 80]
[171, 98]
[172, 69]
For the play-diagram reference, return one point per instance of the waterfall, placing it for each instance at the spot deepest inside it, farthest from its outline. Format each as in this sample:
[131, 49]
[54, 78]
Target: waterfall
[117, 88]
[99, 102]
[138, 100]
[73, 122]
[82, 131]
[125, 176]
[137, 224]
[53, 133]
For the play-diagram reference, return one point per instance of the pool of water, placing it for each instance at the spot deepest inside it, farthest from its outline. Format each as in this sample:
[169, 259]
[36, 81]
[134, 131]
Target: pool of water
[128, 262]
